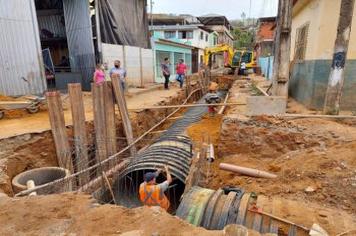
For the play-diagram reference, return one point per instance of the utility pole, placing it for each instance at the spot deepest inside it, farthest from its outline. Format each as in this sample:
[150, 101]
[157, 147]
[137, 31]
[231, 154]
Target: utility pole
[337, 73]
[282, 45]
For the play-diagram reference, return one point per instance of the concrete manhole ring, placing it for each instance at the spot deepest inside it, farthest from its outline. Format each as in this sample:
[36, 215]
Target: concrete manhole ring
[41, 176]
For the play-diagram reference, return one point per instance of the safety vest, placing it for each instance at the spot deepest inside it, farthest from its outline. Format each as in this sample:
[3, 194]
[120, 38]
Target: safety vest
[152, 195]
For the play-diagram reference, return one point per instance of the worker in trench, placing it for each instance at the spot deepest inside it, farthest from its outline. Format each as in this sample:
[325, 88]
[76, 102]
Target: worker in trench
[212, 97]
[151, 193]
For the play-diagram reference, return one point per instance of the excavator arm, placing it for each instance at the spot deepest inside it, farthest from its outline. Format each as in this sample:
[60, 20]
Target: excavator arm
[222, 48]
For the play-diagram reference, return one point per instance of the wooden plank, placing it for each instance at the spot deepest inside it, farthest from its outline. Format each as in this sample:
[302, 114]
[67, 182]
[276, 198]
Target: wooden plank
[56, 118]
[188, 85]
[221, 111]
[262, 91]
[110, 119]
[79, 129]
[121, 102]
[99, 122]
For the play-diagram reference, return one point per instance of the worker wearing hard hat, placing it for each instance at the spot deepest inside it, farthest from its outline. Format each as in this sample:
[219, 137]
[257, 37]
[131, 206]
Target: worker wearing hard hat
[151, 193]
[212, 97]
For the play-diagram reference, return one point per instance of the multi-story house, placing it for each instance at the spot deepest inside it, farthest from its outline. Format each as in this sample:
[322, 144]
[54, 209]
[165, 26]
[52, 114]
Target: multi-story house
[219, 24]
[180, 37]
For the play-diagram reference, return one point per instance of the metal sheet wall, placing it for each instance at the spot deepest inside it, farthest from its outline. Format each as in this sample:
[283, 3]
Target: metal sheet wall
[80, 39]
[20, 49]
[52, 23]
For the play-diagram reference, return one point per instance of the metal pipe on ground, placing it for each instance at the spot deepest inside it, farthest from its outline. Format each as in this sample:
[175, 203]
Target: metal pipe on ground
[246, 171]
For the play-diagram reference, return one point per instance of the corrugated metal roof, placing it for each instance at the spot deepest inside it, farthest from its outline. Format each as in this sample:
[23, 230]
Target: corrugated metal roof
[20, 51]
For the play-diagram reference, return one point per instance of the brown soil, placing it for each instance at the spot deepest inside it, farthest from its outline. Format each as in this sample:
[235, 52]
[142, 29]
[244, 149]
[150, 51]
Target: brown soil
[35, 123]
[321, 157]
[22, 153]
[28, 151]
[208, 127]
[79, 214]
[6, 98]
[318, 154]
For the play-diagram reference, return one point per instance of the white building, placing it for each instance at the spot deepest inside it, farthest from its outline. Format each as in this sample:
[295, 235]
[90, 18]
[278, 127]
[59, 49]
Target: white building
[185, 30]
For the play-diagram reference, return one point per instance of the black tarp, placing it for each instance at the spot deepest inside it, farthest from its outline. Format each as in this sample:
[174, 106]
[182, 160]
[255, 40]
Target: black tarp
[124, 22]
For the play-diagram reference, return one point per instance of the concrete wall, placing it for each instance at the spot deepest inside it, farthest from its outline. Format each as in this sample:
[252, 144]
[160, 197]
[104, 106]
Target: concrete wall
[310, 76]
[139, 71]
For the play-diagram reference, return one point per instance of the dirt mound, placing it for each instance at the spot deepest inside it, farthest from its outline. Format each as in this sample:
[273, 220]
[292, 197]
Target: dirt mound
[6, 98]
[68, 214]
[22, 153]
[271, 137]
[329, 173]
[208, 127]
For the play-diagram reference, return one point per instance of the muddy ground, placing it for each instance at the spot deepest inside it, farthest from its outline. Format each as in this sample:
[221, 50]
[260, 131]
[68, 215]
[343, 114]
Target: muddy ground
[314, 159]
[34, 150]
[317, 155]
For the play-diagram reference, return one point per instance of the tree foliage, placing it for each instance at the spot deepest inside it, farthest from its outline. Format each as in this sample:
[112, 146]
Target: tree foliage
[243, 38]
[244, 32]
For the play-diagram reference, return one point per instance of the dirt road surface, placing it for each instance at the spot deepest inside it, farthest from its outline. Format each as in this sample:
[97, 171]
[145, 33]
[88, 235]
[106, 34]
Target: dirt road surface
[39, 122]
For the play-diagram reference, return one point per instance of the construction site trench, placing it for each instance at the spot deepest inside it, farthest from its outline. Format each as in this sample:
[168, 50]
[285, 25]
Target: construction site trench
[315, 166]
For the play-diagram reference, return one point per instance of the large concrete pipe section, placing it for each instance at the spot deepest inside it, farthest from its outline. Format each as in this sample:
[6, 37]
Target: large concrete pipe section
[41, 176]
[215, 209]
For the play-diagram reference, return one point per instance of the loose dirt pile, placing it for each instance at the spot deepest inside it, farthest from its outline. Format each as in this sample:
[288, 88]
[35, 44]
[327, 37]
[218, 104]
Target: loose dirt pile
[270, 137]
[22, 153]
[79, 214]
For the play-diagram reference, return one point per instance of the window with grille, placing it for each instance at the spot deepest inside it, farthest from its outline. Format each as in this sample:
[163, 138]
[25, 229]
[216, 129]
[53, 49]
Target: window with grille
[185, 34]
[301, 42]
[169, 34]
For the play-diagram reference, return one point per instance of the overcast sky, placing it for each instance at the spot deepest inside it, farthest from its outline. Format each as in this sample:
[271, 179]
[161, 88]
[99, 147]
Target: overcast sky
[232, 9]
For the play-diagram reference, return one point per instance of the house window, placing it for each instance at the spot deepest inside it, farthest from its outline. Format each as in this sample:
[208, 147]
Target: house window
[301, 42]
[206, 37]
[185, 34]
[169, 34]
[215, 41]
[201, 35]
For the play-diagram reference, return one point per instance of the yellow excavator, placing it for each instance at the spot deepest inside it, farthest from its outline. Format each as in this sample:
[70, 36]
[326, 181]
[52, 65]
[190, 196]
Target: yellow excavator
[232, 58]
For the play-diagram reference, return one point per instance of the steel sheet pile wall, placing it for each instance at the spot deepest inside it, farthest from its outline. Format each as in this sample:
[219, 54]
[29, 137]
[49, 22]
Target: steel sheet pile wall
[137, 61]
[80, 39]
[20, 49]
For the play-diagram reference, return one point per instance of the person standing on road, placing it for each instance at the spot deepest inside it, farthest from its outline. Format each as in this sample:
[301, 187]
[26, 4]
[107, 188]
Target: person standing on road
[151, 193]
[166, 73]
[118, 71]
[99, 74]
[181, 71]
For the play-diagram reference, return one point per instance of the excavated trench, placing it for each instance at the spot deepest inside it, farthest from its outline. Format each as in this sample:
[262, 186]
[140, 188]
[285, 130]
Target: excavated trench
[172, 148]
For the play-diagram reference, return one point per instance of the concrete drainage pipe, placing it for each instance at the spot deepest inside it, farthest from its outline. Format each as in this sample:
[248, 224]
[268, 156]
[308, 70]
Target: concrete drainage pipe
[41, 176]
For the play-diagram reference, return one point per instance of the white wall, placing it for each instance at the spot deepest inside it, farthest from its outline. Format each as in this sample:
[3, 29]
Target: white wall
[195, 41]
[139, 65]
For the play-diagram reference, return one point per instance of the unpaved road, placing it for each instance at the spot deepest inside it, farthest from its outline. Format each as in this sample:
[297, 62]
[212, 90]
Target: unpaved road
[37, 123]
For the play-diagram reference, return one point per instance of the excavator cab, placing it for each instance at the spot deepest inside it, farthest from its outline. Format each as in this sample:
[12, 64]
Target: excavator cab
[248, 57]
